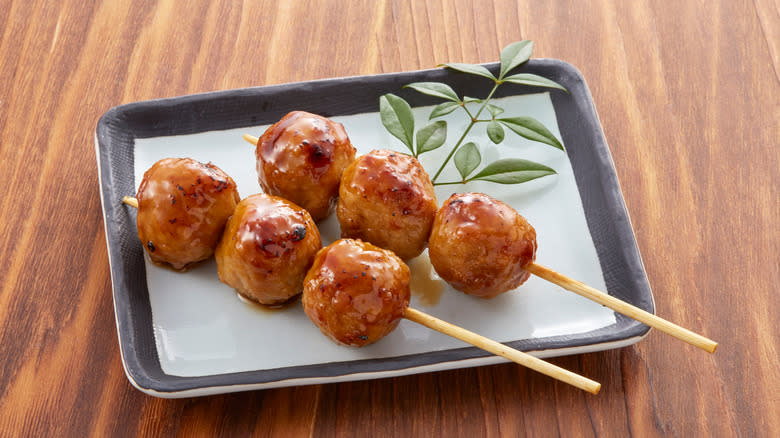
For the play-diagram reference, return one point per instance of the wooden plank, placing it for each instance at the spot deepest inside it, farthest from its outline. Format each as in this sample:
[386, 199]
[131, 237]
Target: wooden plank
[688, 98]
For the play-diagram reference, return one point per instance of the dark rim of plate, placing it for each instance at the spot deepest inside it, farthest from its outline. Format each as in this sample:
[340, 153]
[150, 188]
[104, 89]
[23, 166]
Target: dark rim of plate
[579, 125]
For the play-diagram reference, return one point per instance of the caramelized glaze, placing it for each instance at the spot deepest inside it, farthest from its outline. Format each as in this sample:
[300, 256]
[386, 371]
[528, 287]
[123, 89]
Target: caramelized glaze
[387, 198]
[301, 158]
[183, 206]
[268, 245]
[480, 245]
[355, 292]
[425, 287]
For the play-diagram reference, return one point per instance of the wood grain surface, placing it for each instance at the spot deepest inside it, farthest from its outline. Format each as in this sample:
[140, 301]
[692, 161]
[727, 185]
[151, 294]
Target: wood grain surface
[689, 97]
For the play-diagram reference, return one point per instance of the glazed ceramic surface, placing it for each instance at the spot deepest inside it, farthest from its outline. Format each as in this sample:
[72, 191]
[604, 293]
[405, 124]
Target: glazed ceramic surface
[186, 334]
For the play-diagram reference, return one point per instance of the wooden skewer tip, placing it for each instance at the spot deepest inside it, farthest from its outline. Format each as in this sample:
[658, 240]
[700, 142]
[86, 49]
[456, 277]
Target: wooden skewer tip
[131, 201]
[251, 139]
[624, 308]
[502, 350]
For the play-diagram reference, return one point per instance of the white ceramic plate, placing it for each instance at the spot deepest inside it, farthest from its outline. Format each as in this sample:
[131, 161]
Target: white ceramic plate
[186, 334]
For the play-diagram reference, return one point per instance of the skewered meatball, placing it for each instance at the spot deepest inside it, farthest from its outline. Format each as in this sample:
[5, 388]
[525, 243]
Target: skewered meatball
[480, 245]
[183, 206]
[356, 292]
[386, 198]
[301, 158]
[268, 245]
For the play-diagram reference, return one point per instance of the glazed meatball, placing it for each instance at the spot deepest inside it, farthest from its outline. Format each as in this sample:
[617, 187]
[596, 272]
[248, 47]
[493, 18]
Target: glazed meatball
[183, 206]
[386, 198]
[268, 245]
[480, 245]
[356, 292]
[301, 158]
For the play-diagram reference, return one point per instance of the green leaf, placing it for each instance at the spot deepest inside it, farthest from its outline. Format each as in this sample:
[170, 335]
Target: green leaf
[431, 137]
[397, 117]
[467, 99]
[443, 109]
[435, 89]
[512, 171]
[471, 69]
[514, 55]
[494, 110]
[495, 132]
[467, 159]
[534, 81]
[531, 129]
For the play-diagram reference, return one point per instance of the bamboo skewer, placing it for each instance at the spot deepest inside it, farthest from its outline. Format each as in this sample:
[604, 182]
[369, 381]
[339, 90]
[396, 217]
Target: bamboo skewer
[586, 291]
[131, 201]
[484, 343]
[596, 295]
[622, 307]
[502, 350]
[607, 300]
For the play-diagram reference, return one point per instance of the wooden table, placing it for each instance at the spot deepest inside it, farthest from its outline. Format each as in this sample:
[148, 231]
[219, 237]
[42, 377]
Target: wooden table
[688, 94]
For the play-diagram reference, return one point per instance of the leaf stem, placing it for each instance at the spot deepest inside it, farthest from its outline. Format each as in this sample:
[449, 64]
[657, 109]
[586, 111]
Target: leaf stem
[487, 99]
[450, 183]
[452, 152]
[471, 116]
[472, 122]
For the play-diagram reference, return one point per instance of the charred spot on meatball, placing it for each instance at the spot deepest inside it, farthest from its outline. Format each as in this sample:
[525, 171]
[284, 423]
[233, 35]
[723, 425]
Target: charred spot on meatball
[299, 232]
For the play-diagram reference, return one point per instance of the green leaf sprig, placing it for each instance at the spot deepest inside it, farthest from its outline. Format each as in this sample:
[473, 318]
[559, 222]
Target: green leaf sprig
[396, 115]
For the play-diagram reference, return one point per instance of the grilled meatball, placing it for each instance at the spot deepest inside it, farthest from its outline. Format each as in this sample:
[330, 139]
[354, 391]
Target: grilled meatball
[386, 198]
[182, 208]
[356, 292]
[268, 245]
[480, 245]
[301, 158]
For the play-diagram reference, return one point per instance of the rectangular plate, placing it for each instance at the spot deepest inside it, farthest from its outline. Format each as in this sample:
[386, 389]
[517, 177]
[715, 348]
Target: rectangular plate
[185, 334]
